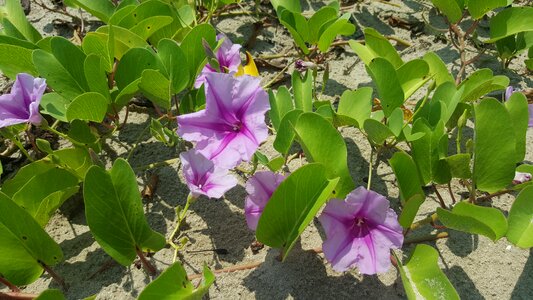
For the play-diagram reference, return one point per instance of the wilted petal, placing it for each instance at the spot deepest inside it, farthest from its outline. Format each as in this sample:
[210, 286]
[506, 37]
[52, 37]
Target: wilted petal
[203, 177]
[260, 188]
[521, 177]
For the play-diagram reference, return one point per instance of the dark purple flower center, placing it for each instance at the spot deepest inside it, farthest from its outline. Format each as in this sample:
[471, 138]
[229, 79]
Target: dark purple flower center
[236, 127]
[359, 221]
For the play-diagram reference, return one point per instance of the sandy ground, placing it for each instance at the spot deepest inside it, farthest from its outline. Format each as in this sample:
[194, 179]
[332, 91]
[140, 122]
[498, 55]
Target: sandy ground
[476, 266]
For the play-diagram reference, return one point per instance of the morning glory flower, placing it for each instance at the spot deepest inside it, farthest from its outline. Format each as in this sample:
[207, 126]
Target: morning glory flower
[260, 188]
[22, 104]
[530, 109]
[508, 92]
[203, 177]
[231, 127]
[228, 57]
[360, 232]
[521, 177]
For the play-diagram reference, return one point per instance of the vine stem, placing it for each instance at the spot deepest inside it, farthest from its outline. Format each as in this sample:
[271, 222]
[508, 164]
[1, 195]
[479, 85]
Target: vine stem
[427, 220]
[426, 238]
[441, 200]
[370, 169]
[55, 276]
[17, 296]
[11, 286]
[146, 264]
[190, 199]
[157, 164]
[61, 134]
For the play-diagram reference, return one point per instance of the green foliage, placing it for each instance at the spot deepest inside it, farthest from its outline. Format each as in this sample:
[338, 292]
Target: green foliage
[474, 219]
[422, 277]
[15, 23]
[173, 284]
[387, 83]
[281, 103]
[293, 205]
[330, 144]
[88, 107]
[411, 193]
[495, 146]
[356, 105]
[51, 294]
[24, 245]
[520, 231]
[115, 213]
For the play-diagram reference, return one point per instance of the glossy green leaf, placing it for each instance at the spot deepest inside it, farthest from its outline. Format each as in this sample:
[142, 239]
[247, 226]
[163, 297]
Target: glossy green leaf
[413, 75]
[115, 213]
[285, 135]
[15, 59]
[293, 205]
[466, 217]
[291, 5]
[88, 107]
[303, 91]
[96, 76]
[478, 8]
[133, 64]
[147, 27]
[193, 49]
[14, 21]
[423, 279]
[356, 104]
[102, 9]
[25, 174]
[24, 245]
[97, 43]
[495, 146]
[411, 193]
[520, 230]
[43, 193]
[156, 87]
[280, 104]
[341, 26]
[381, 47]
[517, 107]
[173, 284]
[387, 83]
[175, 63]
[437, 68]
[330, 144]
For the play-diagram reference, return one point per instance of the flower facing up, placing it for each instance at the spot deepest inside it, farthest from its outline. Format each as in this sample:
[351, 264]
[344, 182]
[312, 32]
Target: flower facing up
[232, 125]
[22, 104]
[203, 177]
[228, 57]
[260, 188]
[360, 232]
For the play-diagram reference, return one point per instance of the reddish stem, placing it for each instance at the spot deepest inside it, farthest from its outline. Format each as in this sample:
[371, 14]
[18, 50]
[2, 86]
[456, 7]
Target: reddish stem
[55, 276]
[146, 264]
[11, 286]
[17, 296]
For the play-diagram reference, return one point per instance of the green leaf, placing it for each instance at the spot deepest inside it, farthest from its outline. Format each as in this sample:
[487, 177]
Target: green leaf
[280, 105]
[285, 135]
[76, 160]
[123, 41]
[96, 76]
[156, 87]
[395, 122]
[193, 49]
[474, 219]
[450, 8]
[423, 279]
[133, 64]
[173, 284]
[24, 245]
[520, 230]
[71, 58]
[321, 143]
[293, 205]
[413, 75]
[128, 92]
[97, 43]
[411, 193]
[429, 150]
[51, 294]
[480, 83]
[495, 146]
[459, 165]
[437, 68]
[518, 110]
[297, 26]
[175, 63]
[478, 8]
[356, 104]
[320, 19]
[42, 195]
[14, 20]
[291, 5]
[377, 132]
[88, 107]
[25, 174]
[115, 213]
[147, 27]
[303, 91]
[15, 59]
[387, 83]
[341, 26]
[54, 105]
[82, 133]
[381, 47]
[102, 9]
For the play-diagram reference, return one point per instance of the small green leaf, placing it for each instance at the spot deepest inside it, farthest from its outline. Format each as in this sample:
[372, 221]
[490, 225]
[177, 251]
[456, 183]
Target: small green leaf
[88, 107]
[303, 91]
[518, 111]
[459, 165]
[480, 83]
[495, 146]
[413, 75]
[321, 142]
[173, 284]
[450, 8]
[102, 9]
[520, 219]
[280, 104]
[51, 294]
[474, 219]
[356, 104]
[320, 19]
[423, 279]
[54, 105]
[341, 26]
[478, 8]
[429, 150]
[411, 193]
[71, 58]
[175, 64]
[377, 132]
[387, 83]
[156, 87]
[437, 68]
[147, 27]
[24, 245]
[193, 49]
[285, 135]
[15, 59]
[297, 26]
[96, 76]
[128, 92]
[293, 205]
[133, 64]
[115, 213]
[14, 20]
[381, 47]
[123, 41]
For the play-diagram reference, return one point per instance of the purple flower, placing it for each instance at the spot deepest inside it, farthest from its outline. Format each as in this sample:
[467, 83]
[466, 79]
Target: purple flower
[260, 188]
[302, 66]
[228, 57]
[232, 125]
[530, 109]
[521, 177]
[22, 104]
[203, 177]
[360, 232]
[508, 92]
